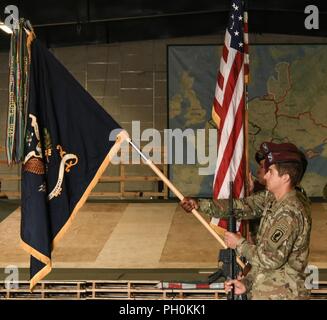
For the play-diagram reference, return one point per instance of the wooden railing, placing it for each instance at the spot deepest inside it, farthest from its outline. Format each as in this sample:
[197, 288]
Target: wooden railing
[160, 190]
[111, 290]
[120, 289]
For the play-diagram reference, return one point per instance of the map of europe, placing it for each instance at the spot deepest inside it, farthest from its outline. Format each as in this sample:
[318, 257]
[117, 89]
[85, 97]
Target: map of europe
[287, 103]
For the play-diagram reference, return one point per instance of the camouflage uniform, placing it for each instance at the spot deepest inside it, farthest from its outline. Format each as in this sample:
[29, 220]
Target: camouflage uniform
[281, 254]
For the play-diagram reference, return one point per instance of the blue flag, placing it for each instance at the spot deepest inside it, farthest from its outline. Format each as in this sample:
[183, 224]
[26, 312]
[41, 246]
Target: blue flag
[67, 148]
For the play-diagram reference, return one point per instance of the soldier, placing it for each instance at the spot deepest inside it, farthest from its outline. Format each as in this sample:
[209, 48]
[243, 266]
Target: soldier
[252, 206]
[281, 254]
[258, 185]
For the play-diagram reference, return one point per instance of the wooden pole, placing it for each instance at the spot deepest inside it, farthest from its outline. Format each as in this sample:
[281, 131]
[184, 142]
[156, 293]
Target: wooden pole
[246, 142]
[246, 153]
[180, 196]
[246, 119]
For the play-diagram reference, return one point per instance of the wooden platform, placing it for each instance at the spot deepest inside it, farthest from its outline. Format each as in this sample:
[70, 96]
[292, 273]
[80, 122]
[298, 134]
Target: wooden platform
[139, 236]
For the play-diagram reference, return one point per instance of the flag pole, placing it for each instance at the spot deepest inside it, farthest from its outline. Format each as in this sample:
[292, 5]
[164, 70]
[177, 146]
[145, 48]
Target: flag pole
[246, 112]
[180, 196]
[246, 98]
[246, 153]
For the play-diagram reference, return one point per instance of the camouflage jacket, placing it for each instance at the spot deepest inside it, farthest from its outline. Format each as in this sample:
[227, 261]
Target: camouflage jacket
[280, 255]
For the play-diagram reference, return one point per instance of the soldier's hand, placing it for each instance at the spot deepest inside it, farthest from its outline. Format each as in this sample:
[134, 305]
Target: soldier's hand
[239, 287]
[231, 239]
[188, 204]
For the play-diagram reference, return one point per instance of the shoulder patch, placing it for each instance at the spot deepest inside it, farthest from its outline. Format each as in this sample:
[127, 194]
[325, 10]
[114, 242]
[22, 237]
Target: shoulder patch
[279, 233]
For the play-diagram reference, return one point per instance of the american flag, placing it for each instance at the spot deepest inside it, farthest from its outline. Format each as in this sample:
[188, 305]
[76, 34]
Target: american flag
[229, 105]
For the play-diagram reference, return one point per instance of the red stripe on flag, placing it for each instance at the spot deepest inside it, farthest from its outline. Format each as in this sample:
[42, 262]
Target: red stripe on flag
[229, 150]
[225, 53]
[223, 223]
[230, 86]
[220, 80]
[217, 107]
[237, 188]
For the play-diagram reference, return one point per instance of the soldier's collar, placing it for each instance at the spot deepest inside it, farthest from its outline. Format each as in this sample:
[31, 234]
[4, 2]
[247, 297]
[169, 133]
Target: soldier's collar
[289, 194]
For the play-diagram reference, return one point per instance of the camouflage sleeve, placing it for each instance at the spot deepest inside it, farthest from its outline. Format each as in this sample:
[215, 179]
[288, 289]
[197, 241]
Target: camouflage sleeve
[246, 249]
[276, 242]
[214, 208]
[248, 281]
[252, 206]
[248, 208]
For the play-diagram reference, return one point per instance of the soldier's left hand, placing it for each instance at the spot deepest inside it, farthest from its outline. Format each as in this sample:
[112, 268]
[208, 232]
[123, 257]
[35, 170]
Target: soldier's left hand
[231, 239]
[239, 287]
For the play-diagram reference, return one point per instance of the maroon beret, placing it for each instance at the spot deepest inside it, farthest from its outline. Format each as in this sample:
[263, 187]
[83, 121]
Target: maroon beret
[267, 147]
[281, 157]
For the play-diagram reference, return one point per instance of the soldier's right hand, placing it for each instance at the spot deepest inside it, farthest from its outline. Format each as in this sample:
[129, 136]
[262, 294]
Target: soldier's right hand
[188, 204]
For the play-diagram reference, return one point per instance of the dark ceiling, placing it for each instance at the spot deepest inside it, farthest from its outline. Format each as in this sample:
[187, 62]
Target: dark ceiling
[73, 22]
